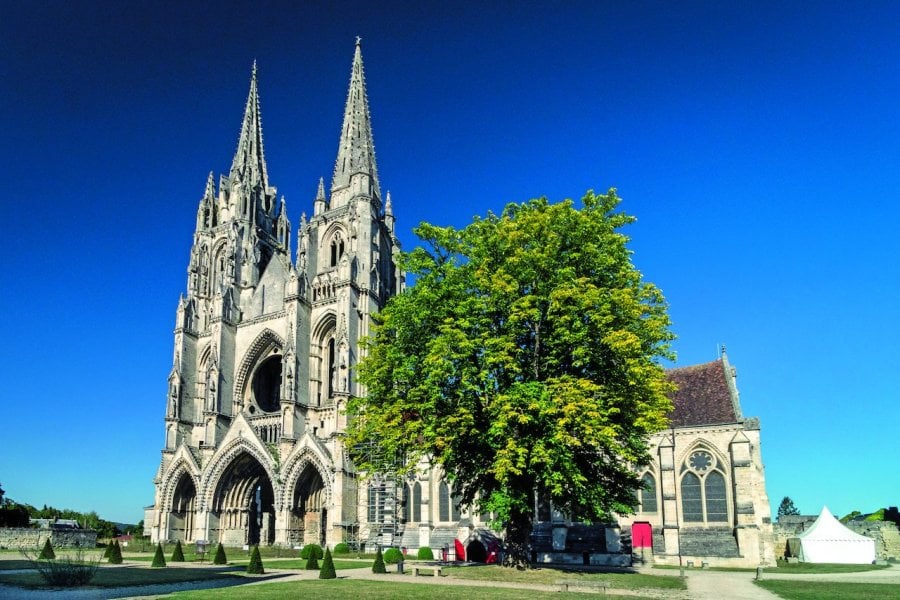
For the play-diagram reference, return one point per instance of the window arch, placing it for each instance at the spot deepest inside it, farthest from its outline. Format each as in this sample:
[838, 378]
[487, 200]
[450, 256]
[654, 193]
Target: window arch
[417, 502]
[648, 493]
[337, 249]
[443, 502]
[704, 493]
[404, 504]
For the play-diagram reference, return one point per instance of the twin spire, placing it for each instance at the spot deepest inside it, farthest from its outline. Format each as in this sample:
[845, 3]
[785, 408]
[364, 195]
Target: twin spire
[249, 162]
[356, 150]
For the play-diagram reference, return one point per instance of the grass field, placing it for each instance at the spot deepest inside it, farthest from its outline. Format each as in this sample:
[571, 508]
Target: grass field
[124, 576]
[629, 581]
[376, 590]
[814, 568]
[830, 590]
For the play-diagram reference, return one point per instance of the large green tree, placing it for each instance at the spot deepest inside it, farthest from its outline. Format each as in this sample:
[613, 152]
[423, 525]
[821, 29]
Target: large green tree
[524, 360]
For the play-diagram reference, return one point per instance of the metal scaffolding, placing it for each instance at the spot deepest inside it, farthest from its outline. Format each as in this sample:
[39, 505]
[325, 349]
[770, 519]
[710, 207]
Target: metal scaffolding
[384, 523]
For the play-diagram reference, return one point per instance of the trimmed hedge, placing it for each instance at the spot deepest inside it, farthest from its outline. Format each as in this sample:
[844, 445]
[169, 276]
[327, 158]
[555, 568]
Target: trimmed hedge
[177, 553]
[255, 567]
[312, 551]
[378, 567]
[425, 553]
[342, 548]
[47, 552]
[220, 556]
[115, 554]
[392, 556]
[327, 571]
[159, 560]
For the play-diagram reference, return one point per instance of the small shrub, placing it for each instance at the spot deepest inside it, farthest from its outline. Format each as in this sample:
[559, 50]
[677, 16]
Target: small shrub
[47, 552]
[342, 548]
[312, 563]
[378, 567]
[108, 551]
[115, 554]
[67, 572]
[312, 551]
[425, 553]
[327, 571]
[178, 553]
[159, 560]
[392, 556]
[220, 555]
[255, 567]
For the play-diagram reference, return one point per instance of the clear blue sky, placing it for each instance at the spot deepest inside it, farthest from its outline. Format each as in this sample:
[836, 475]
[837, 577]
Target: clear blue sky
[757, 143]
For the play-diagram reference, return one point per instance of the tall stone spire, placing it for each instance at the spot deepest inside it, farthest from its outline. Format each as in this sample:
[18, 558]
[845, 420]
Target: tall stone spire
[356, 152]
[249, 164]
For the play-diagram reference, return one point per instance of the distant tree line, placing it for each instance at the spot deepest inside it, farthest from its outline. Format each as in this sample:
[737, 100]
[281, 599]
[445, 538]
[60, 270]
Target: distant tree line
[17, 514]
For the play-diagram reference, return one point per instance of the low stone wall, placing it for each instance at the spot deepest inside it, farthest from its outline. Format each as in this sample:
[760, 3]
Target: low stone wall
[27, 538]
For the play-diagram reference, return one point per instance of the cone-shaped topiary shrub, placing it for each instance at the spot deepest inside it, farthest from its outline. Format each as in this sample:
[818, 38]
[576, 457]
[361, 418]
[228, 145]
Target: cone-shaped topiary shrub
[108, 552]
[178, 553]
[392, 556]
[158, 559]
[378, 567]
[425, 553]
[312, 563]
[115, 554]
[47, 552]
[327, 570]
[342, 548]
[255, 567]
[220, 555]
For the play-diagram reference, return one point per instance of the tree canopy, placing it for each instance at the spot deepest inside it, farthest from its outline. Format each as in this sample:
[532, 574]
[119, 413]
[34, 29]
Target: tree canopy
[526, 358]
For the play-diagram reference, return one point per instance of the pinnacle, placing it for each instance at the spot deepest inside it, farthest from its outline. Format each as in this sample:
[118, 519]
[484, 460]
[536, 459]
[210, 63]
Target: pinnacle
[210, 191]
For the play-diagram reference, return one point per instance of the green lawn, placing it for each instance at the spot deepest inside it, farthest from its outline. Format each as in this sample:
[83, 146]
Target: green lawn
[813, 568]
[629, 581]
[124, 576]
[377, 590]
[830, 590]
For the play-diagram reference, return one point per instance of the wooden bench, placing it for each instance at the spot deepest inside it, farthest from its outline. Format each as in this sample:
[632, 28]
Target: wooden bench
[437, 570]
[565, 584]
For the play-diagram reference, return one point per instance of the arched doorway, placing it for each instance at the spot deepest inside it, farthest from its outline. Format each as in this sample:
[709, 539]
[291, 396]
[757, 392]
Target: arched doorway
[308, 515]
[244, 504]
[181, 516]
[476, 551]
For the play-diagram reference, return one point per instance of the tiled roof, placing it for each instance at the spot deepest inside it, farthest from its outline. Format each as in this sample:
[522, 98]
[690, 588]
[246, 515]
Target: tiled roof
[703, 396]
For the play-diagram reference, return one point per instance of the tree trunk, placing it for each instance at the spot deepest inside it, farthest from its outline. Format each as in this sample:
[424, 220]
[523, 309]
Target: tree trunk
[516, 548]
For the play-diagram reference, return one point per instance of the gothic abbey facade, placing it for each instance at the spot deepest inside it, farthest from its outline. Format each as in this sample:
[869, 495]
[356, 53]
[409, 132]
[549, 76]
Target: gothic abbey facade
[265, 343]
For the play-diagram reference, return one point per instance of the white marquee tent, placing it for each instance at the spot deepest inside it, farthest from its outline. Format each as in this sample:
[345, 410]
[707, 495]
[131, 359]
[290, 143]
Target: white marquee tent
[828, 541]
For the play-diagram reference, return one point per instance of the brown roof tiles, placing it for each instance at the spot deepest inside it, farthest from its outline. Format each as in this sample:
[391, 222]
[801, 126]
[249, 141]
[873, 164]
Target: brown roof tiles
[703, 396]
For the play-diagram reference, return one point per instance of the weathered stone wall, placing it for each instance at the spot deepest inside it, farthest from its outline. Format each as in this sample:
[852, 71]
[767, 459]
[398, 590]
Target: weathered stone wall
[28, 538]
[885, 534]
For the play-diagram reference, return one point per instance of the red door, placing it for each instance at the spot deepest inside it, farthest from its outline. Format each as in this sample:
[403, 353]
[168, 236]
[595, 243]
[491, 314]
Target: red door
[641, 535]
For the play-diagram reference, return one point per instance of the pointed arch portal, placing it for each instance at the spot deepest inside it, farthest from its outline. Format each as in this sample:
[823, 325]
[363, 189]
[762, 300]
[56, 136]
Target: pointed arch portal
[308, 515]
[243, 510]
[181, 516]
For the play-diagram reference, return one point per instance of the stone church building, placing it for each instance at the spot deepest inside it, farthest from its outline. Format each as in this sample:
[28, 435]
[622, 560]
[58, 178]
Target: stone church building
[265, 343]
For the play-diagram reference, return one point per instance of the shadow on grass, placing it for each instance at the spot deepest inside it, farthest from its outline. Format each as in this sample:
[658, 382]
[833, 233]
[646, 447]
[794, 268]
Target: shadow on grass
[124, 577]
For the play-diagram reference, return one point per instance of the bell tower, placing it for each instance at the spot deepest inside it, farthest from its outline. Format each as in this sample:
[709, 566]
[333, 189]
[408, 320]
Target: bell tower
[265, 348]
